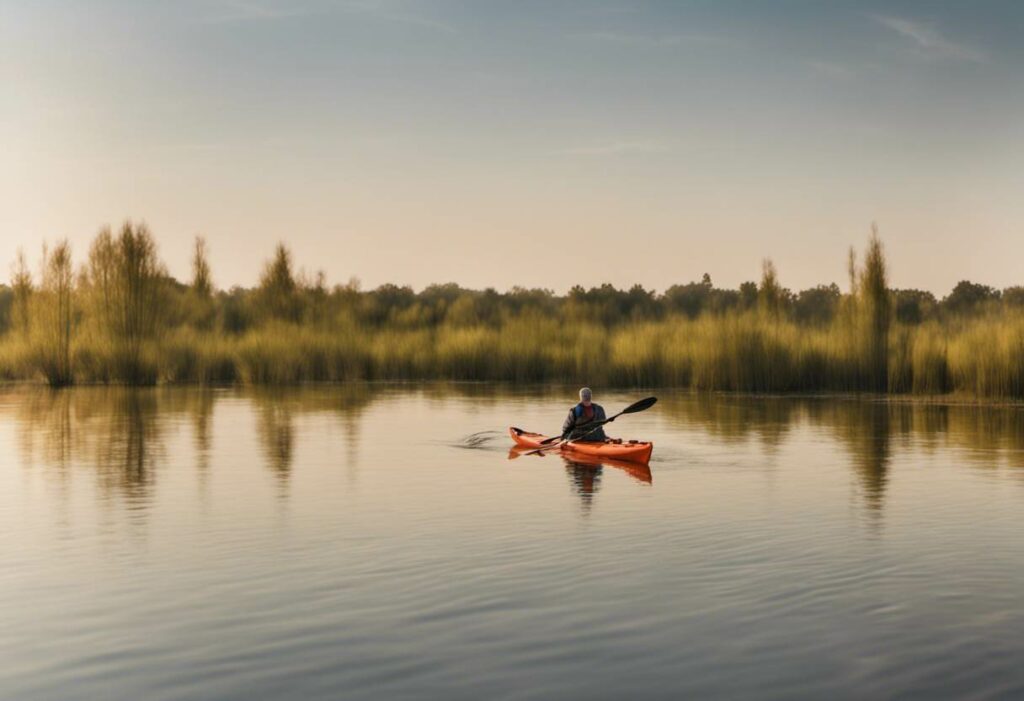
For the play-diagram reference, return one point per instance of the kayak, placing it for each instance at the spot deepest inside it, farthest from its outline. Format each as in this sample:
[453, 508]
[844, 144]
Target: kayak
[641, 472]
[613, 448]
[616, 449]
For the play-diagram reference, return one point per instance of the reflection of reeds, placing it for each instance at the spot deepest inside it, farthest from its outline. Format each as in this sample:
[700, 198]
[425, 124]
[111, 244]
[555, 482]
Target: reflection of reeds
[278, 408]
[119, 431]
[866, 429]
[276, 432]
[49, 427]
[869, 431]
[115, 430]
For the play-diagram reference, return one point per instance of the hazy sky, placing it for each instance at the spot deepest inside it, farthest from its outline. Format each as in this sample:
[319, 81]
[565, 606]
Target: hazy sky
[532, 143]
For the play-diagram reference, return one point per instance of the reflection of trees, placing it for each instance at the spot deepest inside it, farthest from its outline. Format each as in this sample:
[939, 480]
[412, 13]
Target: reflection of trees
[118, 432]
[201, 412]
[46, 427]
[112, 429]
[131, 445]
[981, 430]
[733, 418]
[276, 432]
[869, 429]
[278, 409]
[866, 429]
[349, 402]
[985, 435]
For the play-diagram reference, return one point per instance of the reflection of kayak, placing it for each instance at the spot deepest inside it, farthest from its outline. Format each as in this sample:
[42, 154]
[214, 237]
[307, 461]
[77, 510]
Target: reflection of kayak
[630, 451]
[638, 471]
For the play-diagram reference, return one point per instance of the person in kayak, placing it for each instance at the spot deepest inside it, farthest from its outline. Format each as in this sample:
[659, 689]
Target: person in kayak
[579, 422]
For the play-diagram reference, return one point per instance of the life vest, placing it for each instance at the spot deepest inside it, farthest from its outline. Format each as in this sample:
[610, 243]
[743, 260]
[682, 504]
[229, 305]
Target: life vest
[580, 412]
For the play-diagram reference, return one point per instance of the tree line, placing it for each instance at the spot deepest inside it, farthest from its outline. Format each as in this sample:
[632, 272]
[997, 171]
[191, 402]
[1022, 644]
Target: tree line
[117, 316]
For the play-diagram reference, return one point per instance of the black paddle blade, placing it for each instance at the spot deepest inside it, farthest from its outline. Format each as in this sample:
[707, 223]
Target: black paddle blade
[549, 441]
[640, 406]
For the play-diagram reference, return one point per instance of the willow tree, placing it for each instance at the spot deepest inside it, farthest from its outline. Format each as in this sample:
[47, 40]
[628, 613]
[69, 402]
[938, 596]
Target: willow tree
[278, 293]
[126, 278]
[316, 291]
[201, 311]
[21, 287]
[848, 308]
[202, 283]
[770, 294]
[55, 315]
[875, 314]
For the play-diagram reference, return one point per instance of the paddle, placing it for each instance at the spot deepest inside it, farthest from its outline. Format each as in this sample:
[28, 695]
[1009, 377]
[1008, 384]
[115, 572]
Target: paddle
[642, 405]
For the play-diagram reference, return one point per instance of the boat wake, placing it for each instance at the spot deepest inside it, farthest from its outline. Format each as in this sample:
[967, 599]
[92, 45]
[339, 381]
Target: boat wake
[481, 440]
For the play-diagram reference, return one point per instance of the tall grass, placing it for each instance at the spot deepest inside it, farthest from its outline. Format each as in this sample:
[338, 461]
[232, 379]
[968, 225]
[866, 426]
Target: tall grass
[53, 312]
[741, 352]
[123, 320]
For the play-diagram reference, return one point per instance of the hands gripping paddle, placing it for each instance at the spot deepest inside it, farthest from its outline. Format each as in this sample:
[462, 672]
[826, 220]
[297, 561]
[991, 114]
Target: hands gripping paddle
[549, 443]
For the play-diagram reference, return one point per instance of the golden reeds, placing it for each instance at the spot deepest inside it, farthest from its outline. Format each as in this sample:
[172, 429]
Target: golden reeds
[124, 320]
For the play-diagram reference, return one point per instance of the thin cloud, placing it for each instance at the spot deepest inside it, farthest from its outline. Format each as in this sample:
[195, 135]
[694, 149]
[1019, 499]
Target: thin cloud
[929, 40]
[617, 148]
[252, 11]
[389, 12]
[829, 69]
[653, 40]
[248, 11]
[612, 9]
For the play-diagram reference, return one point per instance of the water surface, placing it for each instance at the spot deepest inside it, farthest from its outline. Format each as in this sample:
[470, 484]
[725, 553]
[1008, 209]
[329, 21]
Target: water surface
[368, 542]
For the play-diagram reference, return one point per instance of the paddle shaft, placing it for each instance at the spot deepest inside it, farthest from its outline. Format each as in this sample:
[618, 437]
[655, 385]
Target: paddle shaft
[564, 442]
[642, 405]
[633, 408]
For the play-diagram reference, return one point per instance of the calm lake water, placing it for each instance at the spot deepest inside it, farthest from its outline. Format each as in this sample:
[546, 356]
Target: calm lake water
[378, 543]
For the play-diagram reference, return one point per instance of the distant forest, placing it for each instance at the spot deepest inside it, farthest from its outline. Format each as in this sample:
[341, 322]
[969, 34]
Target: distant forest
[302, 298]
[115, 315]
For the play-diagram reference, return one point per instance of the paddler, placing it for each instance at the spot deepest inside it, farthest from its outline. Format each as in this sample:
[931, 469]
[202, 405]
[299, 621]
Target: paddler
[580, 422]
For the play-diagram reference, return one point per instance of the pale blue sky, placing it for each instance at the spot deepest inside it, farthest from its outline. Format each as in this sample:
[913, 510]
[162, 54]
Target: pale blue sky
[532, 143]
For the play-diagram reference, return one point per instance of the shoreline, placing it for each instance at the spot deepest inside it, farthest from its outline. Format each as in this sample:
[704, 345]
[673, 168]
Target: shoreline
[957, 399]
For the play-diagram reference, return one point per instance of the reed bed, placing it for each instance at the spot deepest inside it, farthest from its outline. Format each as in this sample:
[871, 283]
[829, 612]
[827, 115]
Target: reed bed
[123, 320]
[736, 353]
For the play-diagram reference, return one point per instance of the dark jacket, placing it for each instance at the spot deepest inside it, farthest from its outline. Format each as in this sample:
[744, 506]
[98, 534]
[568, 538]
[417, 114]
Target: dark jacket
[575, 424]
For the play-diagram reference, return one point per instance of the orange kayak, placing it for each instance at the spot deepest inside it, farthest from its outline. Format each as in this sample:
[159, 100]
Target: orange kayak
[615, 449]
[641, 472]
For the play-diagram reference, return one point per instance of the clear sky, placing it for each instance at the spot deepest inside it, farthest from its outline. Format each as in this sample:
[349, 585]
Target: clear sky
[532, 143]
